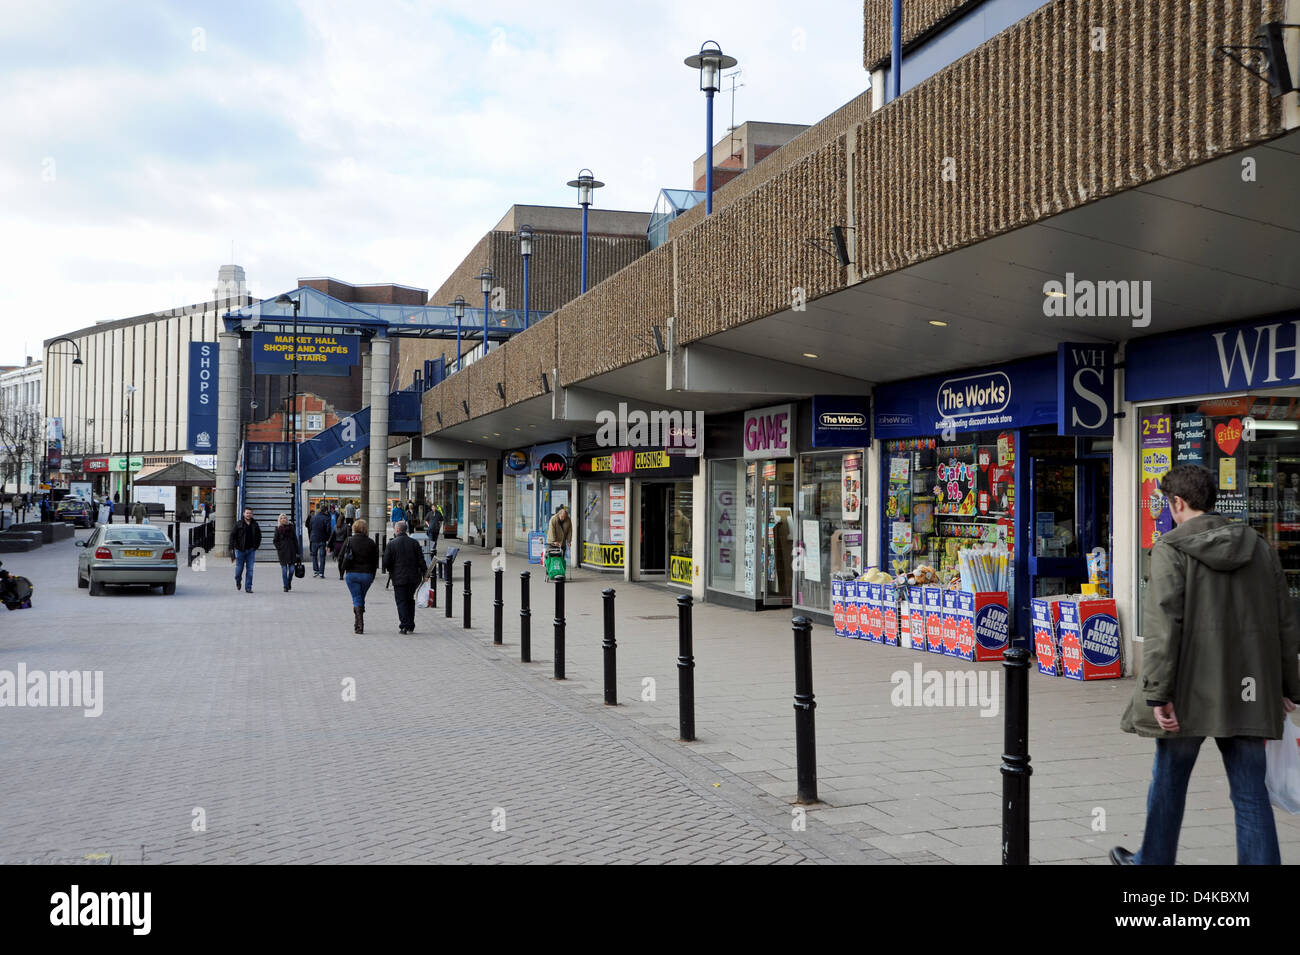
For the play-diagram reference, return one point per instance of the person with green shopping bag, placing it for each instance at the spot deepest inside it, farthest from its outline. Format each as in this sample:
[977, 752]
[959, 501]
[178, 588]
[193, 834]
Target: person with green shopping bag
[558, 534]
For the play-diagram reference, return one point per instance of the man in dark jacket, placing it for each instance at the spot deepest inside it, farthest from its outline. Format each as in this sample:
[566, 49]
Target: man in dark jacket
[404, 562]
[319, 528]
[1220, 640]
[245, 539]
[435, 527]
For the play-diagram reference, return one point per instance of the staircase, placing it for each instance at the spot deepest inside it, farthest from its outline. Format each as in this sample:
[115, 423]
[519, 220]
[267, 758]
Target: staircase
[269, 494]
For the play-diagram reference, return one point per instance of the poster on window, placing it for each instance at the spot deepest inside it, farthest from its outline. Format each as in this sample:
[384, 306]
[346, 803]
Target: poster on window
[851, 499]
[751, 546]
[724, 534]
[851, 556]
[1157, 458]
[617, 514]
[812, 552]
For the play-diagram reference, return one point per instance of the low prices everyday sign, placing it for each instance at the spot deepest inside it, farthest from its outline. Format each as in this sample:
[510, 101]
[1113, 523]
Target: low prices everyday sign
[769, 433]
[317, 354]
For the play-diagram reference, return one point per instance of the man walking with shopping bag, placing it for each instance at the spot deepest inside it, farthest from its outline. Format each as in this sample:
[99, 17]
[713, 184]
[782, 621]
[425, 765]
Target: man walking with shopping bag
[1219, 658]
[558, 534]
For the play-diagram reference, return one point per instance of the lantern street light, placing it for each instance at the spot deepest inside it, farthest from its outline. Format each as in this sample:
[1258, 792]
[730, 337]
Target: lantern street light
[130, 390]
[485, 279]
[710, 61]
[526, 250]
[585, 183]
[459, 306]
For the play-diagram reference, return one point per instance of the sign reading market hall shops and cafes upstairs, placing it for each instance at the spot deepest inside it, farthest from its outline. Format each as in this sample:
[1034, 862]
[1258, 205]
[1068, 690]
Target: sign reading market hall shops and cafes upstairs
[317, 353]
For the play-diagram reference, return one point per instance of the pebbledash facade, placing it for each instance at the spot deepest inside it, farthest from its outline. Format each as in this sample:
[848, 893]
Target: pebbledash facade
[1068, 268]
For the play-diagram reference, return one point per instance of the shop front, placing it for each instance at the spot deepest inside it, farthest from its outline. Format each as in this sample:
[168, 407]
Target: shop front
[441, 483]
[1011, 463]
[531, 494]
[649, 490]
[1227, 398]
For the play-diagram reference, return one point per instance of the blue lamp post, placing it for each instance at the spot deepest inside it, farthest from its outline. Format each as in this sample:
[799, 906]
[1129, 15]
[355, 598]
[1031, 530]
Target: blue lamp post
[459, 306]
[486, 278]
[526, 250]
[710, 61]
[585, 183]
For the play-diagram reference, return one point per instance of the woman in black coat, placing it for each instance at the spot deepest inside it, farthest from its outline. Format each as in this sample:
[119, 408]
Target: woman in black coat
[359, 563]
[287, 549]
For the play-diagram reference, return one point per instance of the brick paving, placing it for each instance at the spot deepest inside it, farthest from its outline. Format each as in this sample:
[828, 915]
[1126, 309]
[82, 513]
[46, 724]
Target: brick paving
[233, 703]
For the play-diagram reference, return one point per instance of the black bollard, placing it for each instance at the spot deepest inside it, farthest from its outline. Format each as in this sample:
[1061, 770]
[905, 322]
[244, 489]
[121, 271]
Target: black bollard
[559, 627]
[685, 669]
[525, 621]
[498, 605]
[805, 733]
[1015, 759]
[611, 649]
[467, 563]
[446, 577]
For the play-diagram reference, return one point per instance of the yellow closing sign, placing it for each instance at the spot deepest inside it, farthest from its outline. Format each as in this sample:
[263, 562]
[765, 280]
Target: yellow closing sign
[680, 570]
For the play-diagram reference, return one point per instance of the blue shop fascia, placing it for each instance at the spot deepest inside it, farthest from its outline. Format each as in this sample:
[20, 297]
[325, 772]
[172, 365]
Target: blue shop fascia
[1015, 454]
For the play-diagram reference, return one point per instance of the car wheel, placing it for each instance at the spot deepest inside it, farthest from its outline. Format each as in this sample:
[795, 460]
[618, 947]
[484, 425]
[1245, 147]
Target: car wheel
[96, 588]
[169, 589]
[80, 582]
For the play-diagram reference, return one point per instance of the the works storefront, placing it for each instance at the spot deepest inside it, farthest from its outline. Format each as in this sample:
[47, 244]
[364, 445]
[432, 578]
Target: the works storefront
[1014, 455]
[1226, 397]
[786, 501]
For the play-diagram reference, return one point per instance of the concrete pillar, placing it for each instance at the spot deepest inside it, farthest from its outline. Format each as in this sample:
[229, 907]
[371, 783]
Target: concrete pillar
[226, 496]
[490, 506]
[627, 526]
[378, 470]
[1126, 523]
[363, 510]
[877, 553]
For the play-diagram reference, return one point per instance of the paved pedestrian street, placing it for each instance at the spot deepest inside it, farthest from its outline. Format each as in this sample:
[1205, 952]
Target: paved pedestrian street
[259, 728]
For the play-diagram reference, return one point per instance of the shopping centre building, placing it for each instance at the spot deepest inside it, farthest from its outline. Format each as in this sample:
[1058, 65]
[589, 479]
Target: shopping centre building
[991, 309]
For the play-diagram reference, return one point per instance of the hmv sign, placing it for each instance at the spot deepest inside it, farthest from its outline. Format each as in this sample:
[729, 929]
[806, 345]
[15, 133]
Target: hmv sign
[769, 433]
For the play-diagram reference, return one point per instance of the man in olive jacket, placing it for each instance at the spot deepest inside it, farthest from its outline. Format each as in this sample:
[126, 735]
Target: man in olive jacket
[1219, 658]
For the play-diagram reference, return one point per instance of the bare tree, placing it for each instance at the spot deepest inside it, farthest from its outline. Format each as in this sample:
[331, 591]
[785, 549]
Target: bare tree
[22, 439]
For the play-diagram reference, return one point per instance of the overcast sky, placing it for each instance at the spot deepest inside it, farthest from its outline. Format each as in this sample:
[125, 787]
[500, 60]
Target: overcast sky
[371, 141]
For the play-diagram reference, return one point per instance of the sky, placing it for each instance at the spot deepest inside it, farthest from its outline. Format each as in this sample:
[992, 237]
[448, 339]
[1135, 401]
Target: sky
[370, 141]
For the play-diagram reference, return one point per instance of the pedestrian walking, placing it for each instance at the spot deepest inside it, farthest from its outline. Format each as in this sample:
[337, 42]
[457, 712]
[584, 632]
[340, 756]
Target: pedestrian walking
[138, 512]
[287, 550]
[245, 539]
[398, 514]
[404, 563]
[337, 539]
[319, 529]
[558, 534]
[358, 563]
[1220, 639]
[435, 527]
[349, 515]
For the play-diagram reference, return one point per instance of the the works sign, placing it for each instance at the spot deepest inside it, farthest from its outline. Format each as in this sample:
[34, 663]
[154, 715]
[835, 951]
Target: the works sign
[317, 354]
[201, 433]
[840, 421]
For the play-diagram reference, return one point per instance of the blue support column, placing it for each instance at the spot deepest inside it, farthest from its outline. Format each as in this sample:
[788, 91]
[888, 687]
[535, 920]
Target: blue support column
[708, 153]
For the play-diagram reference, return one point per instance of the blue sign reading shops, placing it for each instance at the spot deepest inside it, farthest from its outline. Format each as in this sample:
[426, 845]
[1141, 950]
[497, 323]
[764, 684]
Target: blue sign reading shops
[1014, 395]
[1208, 361]
[840, 421]
[317, 354]
[201, 429]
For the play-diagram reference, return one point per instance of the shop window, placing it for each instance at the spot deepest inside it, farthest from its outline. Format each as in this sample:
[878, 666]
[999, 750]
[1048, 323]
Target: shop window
[831, 513]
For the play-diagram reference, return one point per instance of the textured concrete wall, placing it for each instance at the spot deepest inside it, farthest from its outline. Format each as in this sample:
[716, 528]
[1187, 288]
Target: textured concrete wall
[919, 17]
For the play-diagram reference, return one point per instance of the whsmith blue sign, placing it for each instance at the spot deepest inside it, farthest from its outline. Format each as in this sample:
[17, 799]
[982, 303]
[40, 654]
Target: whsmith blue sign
[1015, 395]
[840, 421]
[1215, 359]
[201, 429]
[318, 354]
[1085, 388]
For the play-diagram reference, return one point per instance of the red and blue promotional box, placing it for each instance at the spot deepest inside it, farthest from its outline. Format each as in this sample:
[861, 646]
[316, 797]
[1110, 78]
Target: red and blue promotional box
[950, 623]
[872, 626]
[933, 618]
[1090, 639]
[983, 625]
[916, 612]
[851, 609]
[1043, 614]
[837, 605]
[891, 634]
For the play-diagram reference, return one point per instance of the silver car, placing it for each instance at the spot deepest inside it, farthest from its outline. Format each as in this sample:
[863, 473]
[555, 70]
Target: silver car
[126, 554]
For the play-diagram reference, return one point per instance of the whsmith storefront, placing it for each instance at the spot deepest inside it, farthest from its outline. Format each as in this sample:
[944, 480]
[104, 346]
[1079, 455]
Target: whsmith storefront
[1017, 454]
[1226, 397]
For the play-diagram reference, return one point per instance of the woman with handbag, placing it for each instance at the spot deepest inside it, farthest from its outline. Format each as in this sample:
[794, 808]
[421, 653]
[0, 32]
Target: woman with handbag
[359, 562]
[287, 550]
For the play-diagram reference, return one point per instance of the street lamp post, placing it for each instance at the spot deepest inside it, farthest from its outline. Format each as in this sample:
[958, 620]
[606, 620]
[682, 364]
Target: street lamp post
[459, 306]
[585, 183]
[710, 61]
[130, 390]
[486, 278]
[20, 449]
[526, 250]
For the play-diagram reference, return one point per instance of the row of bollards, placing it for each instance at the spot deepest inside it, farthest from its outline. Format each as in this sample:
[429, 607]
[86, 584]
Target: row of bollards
[1015, 768]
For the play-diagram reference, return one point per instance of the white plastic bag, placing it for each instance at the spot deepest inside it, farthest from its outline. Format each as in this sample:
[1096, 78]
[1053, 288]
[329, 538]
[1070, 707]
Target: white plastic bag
[424, 595]
[1283, 773]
